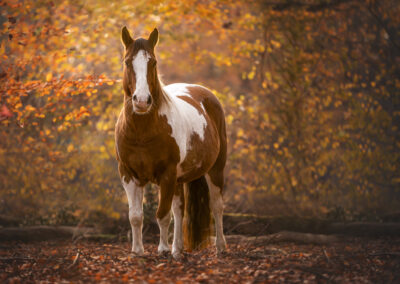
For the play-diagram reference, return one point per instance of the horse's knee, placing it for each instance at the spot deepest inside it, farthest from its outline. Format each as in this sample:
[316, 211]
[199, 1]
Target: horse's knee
[217, 206]
[164, 208]
[162, 212]
[216, 201]
[136, 217]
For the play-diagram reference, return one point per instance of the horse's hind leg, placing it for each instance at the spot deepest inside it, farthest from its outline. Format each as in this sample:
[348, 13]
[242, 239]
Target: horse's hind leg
[178, 211]
[215, 185]
[135, 200]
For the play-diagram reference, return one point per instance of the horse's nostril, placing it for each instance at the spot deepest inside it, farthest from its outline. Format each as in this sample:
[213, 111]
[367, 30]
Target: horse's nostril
[135, 98]
[149, 100]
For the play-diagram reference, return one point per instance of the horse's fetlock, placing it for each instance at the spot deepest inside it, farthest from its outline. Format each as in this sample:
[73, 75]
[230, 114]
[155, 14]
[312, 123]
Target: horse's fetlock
[138, 249]
[220, 243]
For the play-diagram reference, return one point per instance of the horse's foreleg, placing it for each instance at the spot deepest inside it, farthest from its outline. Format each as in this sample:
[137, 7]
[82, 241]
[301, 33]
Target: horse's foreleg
[217, 208]
[178, 211]
[135, 200]
[163, 224]
[167, 188]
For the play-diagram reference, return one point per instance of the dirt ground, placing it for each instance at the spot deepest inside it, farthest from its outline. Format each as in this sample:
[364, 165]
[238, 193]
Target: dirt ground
[357, 260]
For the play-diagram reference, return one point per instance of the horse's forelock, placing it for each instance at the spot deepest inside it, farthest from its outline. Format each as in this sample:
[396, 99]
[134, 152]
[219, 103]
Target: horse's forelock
[142, 44]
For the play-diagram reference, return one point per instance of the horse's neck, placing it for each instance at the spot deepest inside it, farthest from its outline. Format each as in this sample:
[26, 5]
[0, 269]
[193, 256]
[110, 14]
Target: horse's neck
[141, 127]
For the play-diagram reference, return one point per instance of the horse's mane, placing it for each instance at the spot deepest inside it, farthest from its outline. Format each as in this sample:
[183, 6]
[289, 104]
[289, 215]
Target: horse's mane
[165, 98]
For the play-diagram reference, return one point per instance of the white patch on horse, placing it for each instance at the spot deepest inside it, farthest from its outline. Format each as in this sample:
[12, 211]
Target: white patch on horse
[202, 106]
[163, 225]
[217, 208]
[184, 119]
[139, 63]
[177, 244]
[135, 201]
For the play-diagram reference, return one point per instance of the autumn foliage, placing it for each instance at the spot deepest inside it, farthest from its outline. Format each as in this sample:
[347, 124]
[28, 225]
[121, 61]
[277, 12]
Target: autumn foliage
[311, 91]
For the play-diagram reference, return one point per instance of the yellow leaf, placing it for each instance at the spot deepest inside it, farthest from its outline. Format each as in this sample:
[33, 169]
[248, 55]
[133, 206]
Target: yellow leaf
[70, 148]
[276, 44]
[229, 119]
[49, 76]
[251, 75]
[266, 117]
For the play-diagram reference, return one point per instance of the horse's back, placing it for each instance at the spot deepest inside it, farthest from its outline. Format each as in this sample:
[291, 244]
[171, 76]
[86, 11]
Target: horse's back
[203, 96]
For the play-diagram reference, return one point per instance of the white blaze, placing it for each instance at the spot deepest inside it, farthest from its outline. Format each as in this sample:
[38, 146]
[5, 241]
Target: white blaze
[139, 63]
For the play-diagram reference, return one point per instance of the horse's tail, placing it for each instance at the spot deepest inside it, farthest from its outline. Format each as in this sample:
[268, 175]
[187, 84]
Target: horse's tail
[197, 222]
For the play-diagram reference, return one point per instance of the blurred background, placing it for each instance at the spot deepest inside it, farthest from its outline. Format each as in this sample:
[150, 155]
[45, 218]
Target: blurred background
[311, 91]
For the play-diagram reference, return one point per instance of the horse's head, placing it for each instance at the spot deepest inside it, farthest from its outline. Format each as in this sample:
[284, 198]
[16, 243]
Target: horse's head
[140, 71]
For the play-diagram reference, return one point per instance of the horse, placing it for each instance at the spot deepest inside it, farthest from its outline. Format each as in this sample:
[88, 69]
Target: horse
[173, 136]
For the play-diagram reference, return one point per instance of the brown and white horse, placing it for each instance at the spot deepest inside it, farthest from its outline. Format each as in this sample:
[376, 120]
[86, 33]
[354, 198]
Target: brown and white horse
[173, 136]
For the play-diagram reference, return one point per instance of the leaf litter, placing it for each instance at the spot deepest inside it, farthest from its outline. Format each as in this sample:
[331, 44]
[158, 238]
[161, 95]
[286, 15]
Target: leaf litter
[360, 260]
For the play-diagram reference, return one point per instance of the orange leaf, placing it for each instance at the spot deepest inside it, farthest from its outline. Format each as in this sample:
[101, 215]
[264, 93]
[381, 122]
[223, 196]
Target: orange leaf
[49, 76]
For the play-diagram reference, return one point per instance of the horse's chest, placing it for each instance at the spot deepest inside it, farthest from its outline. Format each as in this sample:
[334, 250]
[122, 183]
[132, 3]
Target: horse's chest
[148, 162]
[145, 165]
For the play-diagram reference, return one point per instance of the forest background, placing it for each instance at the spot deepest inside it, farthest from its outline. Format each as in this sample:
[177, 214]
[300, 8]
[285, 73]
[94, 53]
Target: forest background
[311, 91]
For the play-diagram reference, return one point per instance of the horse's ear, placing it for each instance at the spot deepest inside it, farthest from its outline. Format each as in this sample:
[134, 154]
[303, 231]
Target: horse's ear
[153, 38]
[126, 37]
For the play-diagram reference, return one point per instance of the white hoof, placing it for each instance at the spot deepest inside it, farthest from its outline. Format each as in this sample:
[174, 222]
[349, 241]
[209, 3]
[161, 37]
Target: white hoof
[177, 252]
[139, 251]
[162, 250]
[177, 256]
[221, 245]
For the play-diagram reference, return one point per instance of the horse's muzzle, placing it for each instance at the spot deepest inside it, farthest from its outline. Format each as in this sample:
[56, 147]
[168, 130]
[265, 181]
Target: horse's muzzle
[141, 106]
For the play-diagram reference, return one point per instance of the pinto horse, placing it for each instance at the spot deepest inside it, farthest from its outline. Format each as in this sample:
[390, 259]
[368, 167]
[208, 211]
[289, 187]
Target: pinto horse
[173, 136]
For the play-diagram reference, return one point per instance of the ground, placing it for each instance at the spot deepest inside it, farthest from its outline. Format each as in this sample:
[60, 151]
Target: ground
[359, 260]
